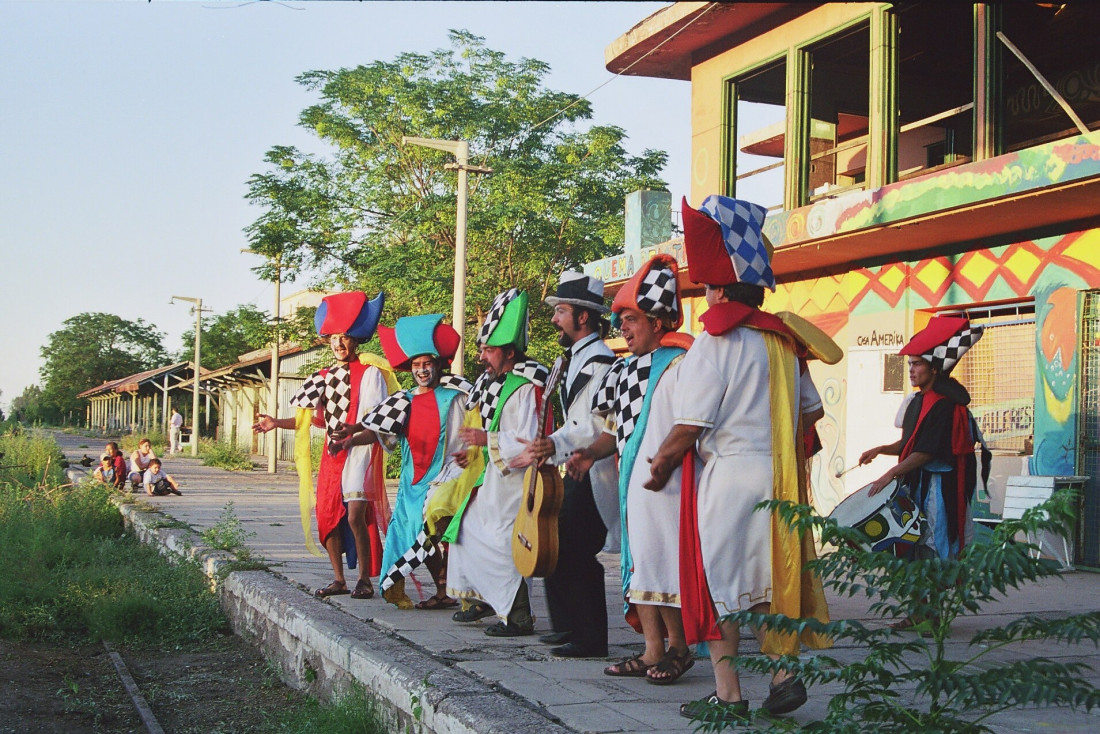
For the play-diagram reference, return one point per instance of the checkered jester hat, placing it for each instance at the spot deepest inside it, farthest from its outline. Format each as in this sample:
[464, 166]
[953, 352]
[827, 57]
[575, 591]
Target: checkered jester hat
[943, 342]
[413, 336]
[725, 243]
[349, 313]
[506, 322]
[653, 290]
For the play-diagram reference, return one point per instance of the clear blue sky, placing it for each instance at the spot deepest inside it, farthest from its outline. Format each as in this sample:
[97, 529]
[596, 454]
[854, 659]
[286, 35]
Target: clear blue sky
[128, 131]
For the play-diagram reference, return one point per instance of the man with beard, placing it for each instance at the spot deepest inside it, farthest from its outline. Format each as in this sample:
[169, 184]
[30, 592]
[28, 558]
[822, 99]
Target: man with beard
[590, 506]
[425, 423]
[482, 573]
[351, 495]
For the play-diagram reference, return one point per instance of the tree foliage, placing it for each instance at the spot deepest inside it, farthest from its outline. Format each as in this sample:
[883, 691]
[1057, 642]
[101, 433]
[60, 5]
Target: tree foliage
[227, 336]
[379, 215]
[90, 349]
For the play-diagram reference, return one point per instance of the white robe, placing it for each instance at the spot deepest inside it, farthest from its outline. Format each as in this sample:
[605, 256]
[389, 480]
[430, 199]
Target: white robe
[653, 518]
[726, 390]
[480, 565]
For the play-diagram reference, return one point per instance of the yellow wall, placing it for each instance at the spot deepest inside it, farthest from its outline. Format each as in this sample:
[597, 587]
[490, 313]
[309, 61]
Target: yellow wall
[707, 130]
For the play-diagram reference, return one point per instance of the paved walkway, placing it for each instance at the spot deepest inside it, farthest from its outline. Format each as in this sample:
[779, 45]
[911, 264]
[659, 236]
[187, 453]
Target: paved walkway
[573, 693]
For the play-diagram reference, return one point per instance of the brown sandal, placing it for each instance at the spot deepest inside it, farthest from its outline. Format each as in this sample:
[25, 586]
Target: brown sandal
[437, 602]
[336, 588]
[633, 667]
[672, 665]
[363, 590]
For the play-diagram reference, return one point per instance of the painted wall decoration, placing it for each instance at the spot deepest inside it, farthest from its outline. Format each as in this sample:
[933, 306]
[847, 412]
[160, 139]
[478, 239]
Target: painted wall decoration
[1050, 270]
[1013, 173]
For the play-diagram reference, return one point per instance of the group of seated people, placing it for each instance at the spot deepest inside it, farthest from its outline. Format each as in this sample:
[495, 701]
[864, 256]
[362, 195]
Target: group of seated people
[145, 470]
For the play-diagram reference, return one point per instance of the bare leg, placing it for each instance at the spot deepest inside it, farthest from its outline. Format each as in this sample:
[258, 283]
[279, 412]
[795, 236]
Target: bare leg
[758, 633]
[437, 567]
[726, 681]
[335, 548]
[357, 519]
[650, 617]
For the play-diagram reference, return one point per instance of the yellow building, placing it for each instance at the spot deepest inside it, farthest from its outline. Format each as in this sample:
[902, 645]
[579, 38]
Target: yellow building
[918, 159]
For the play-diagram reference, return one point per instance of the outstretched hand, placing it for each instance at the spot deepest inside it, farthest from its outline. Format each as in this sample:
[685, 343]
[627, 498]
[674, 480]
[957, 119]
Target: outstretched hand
[263, 424]
[579, 464]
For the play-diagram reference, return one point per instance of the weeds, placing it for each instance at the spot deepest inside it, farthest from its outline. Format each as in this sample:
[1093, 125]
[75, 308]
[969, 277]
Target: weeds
[353, 713]
[229, 534]
[225, 456]
[70, 573]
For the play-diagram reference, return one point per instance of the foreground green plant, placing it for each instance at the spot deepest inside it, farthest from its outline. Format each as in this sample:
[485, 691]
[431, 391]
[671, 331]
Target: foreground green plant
[224, 455]
[229, 534]
[353, 713]
[908, 684]
[70, 573]
[30, 458]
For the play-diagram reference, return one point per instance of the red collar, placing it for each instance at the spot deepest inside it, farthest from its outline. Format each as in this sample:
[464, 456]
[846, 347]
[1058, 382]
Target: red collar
[728, 315]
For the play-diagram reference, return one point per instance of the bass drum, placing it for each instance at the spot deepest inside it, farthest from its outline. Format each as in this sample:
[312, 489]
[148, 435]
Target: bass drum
[889, 520]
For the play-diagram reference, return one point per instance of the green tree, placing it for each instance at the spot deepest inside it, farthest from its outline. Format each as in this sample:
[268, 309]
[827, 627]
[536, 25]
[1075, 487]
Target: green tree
[90, 349]
[27, 408]
[379, 215]
[229, 335]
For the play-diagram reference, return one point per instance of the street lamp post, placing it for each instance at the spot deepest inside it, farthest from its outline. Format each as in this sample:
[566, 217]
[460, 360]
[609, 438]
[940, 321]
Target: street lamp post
[460, 149]
[273, 407]
[198, 360]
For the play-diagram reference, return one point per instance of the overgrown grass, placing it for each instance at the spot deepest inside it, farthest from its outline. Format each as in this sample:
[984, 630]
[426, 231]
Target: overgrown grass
[224, 455]
[354, 713]
[69, 573]
[30, 458]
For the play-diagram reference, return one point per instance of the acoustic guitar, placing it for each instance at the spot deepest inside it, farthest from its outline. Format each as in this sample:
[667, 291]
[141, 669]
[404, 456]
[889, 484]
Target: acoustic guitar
[535, 533]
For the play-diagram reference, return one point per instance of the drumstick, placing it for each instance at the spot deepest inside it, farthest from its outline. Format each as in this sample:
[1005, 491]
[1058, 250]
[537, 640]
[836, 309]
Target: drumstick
[839, 473]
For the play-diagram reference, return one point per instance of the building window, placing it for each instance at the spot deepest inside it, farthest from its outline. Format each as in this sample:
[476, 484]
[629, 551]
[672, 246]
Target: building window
[759, 127]
[1059, 40]
[999, 373]
[839, 106]
[935, 86]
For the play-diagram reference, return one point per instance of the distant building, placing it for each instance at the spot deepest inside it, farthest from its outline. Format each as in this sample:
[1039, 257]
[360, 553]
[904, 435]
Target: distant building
[912, 164]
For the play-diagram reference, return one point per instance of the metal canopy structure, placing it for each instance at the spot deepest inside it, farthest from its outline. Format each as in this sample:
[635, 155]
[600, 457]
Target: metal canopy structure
[138, 401]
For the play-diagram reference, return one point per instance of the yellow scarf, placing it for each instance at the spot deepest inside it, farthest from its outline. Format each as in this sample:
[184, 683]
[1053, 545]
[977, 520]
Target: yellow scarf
[303, 461]
[795, 591]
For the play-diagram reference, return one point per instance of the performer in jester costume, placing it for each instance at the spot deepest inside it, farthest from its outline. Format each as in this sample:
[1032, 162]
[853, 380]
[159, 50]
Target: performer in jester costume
[746, 402]
[351, 504]
[481, 571]
[936, 451]
[425, 424]
[636, 396]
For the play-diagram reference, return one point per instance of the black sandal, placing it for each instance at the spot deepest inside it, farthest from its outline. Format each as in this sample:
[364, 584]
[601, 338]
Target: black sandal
[478, 611]
[672, 664]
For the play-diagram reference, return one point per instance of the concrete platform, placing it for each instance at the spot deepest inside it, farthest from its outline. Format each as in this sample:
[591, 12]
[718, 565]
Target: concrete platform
[446, 677]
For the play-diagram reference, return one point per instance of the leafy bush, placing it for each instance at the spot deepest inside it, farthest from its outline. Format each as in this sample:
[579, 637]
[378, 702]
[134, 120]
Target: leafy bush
[225, 455]
[909, 684]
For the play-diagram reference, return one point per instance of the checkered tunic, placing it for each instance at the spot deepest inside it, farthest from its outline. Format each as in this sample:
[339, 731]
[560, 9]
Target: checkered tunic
[332, 389]
[622, 393]
[486, 391]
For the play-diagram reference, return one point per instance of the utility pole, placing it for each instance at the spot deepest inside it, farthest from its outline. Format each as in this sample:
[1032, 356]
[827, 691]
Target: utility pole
[197, 310]
[460, 149]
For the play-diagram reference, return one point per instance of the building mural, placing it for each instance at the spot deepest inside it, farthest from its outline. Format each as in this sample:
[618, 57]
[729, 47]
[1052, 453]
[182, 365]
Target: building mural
[1051, 271]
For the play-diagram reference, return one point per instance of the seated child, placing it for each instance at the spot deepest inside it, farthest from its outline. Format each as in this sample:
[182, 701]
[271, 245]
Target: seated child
[105, 472]
[157, 483]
